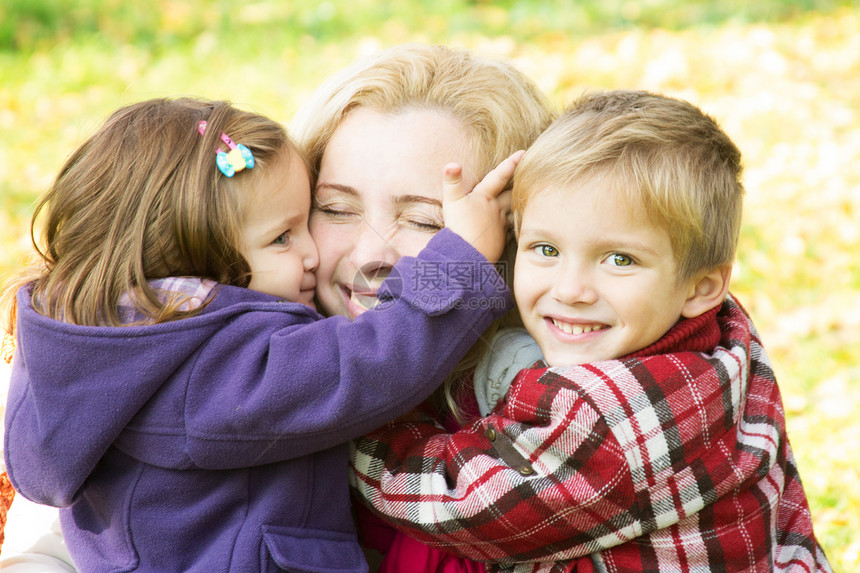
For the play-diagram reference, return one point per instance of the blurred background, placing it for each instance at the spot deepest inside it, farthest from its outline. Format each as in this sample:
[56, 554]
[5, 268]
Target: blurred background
[782, 77]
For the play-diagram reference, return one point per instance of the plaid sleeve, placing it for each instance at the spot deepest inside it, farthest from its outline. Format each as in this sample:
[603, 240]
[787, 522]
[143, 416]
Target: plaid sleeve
[489, 492]
[574, 461]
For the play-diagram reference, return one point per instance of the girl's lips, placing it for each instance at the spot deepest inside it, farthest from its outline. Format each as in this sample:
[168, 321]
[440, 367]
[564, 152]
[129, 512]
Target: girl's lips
[306, 297]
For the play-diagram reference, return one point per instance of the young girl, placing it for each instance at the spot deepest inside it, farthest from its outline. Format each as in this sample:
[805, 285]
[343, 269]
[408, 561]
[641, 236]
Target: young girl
[173, 388]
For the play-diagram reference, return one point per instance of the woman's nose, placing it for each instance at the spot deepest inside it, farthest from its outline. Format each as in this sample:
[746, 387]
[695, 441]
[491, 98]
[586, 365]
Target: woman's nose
[373, 247]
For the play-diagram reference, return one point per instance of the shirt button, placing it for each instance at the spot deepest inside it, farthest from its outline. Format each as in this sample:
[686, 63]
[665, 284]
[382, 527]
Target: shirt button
[491, 434]
[526, 470]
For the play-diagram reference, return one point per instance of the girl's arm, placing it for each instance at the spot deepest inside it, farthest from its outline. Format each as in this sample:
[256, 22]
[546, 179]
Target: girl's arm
[263, 392]
[249, 380]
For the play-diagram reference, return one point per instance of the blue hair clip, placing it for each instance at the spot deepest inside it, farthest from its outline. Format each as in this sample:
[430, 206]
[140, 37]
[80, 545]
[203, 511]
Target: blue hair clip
[239, 157]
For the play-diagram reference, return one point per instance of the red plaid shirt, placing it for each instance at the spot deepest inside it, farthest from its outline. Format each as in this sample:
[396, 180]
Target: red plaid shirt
[675, 458]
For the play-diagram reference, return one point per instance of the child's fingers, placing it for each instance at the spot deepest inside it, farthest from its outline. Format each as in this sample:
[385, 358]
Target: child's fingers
[452, 183]
[497, 180]
[504, 200]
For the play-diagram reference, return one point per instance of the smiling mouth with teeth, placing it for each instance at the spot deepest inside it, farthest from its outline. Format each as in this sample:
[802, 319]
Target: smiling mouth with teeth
[577, 328]
[367, 301]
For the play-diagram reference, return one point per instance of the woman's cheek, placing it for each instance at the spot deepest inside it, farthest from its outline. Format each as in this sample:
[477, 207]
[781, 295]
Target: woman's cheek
[329, 245]
[413, 242]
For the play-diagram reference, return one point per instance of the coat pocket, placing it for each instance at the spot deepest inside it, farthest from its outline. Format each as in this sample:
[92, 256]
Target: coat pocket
[297, 549]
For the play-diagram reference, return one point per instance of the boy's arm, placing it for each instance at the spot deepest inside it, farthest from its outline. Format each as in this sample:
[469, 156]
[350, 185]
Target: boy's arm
[583, 459]
[499, 490]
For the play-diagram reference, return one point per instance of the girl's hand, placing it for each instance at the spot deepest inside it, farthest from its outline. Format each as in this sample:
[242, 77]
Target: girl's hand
[480, 215]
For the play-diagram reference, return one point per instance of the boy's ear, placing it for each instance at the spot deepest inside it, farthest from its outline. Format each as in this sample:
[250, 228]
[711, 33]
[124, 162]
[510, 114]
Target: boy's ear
[708, 291]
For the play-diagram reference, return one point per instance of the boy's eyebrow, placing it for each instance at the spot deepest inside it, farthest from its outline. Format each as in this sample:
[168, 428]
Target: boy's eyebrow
[609, 244]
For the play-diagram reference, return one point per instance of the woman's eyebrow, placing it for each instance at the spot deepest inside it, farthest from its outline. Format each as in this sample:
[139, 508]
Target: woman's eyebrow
[405, 199]
[346, 189]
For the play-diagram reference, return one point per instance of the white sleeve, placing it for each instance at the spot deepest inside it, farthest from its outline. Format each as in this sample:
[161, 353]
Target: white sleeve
[33, 540]
[511, 350]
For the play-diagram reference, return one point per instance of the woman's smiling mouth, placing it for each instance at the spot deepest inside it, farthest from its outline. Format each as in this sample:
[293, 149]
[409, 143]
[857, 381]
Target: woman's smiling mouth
[366, 300]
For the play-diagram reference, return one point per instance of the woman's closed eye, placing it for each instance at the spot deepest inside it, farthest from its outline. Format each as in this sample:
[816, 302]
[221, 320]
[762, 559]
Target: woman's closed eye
[333, 207]
[335, 211]
[421, 216]
[425, 224]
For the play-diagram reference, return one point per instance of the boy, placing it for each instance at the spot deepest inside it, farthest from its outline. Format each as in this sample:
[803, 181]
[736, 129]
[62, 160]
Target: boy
[656, 438]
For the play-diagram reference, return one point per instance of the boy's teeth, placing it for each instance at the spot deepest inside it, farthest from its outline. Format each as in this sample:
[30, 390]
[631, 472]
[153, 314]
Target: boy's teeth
[574, 328]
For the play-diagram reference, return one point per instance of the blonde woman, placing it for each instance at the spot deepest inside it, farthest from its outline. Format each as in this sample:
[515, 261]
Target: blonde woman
[375, 136]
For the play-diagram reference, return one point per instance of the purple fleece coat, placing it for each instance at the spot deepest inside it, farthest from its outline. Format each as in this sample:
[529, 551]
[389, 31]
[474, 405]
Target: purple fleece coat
[219, 442]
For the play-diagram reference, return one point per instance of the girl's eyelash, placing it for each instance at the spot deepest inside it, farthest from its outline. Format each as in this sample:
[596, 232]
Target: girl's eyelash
[286, 238]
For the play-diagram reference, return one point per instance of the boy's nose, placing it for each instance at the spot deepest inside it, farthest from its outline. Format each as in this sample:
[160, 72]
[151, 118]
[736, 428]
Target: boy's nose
[575, 286]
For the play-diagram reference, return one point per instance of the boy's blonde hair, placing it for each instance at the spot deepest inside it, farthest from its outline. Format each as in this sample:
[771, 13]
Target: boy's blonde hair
[500, 107]
[663, 152]
[142, 199]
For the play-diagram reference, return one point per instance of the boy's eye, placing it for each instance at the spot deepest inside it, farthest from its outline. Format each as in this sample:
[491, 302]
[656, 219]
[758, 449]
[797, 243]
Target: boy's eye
[546, 250]
[282, 239]
[619, 260]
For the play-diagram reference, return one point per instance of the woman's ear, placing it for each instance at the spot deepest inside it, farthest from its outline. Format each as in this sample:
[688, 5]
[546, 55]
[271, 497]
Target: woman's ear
[708, 291]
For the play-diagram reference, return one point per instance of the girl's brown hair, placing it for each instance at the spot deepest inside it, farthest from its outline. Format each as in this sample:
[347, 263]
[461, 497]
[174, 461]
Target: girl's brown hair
[142, 199]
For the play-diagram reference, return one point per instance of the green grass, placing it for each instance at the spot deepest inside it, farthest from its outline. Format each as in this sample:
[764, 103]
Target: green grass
[782, 77]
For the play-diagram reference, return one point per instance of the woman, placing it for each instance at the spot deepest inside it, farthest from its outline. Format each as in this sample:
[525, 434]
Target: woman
[377, 136]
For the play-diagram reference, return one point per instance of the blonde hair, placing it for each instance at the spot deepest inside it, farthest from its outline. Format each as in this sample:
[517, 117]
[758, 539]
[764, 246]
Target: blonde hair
[142, 199]
[664, 152]
[500, 107]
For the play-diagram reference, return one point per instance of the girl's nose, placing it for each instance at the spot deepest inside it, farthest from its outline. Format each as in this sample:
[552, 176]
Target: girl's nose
[310, 253]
